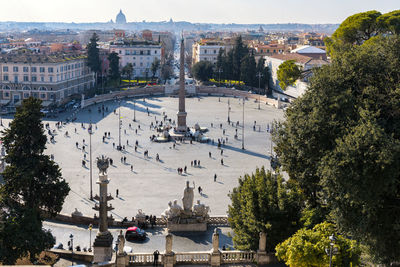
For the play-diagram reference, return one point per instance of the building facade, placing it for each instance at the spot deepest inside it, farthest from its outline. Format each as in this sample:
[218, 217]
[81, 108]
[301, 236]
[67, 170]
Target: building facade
[206, 51]
[140, 54]
[50, 78]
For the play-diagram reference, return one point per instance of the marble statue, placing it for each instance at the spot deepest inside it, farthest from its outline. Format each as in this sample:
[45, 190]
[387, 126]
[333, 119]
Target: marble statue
[121, 243]
[201, 210]
[188, 196]
[102, 164]
[167, 212]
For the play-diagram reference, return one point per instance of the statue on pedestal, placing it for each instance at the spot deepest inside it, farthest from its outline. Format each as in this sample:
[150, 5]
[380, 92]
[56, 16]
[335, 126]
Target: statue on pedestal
[188, 196]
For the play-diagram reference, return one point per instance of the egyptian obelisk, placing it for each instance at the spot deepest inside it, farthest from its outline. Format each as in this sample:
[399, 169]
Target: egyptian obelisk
[182, 113]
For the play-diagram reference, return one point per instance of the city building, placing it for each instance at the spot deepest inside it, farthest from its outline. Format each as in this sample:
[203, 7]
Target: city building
[49, 77]
[141, 54]
[310, 51]
[208, 50]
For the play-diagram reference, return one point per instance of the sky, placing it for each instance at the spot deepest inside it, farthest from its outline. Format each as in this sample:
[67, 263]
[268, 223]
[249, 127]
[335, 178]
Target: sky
[203, 11]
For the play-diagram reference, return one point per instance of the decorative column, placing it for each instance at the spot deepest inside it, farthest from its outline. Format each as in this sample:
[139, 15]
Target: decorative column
[102, 246]
[182, 113]
[216, 253]
[169, 256]
[262, 256]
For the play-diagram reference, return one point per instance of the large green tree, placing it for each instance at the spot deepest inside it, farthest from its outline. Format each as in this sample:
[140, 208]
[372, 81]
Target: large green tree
[32, 183]
[202, 70]
[155, 66]
[288, 73]
[93, 59]
[263, 202]
[306, 248]
[340, 143]
[248, 70]
[113, 71]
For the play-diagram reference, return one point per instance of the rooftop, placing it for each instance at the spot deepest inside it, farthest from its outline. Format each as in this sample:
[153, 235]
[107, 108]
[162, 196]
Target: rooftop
[293, 56]
[307, 49]
[27, 56]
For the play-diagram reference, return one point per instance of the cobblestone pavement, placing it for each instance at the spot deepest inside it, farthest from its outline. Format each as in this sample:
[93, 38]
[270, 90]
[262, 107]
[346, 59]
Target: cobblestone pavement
[152, 184]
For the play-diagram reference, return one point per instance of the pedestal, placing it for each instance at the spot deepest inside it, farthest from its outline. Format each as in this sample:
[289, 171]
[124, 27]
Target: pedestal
[181, 122]
[215, 259]
[102, 247]
[169, 259]
[189, 227]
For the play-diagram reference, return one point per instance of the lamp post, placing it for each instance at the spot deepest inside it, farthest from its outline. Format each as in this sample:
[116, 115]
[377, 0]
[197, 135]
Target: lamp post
[259, 75]
[90, 237]
[90, 131]
[71, 239]
[332, 250]
[219, 76]
[243, 125]
[229, 110]
[134, 110]
[119, 125]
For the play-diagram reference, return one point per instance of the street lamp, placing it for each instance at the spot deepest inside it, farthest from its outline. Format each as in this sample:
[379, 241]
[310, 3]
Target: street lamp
[90, 131]
[134, 110]
[243, 126]
[219, 76]
[71, 237]
[90, 237]
[332, 250]
[259, 75]
[119, 125]
[229, 109]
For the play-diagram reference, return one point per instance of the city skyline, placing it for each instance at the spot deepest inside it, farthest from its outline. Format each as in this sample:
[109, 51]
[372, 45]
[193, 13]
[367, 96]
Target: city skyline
[208, 11]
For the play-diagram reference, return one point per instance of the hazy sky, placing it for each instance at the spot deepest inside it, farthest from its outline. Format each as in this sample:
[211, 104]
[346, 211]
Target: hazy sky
[218, 11]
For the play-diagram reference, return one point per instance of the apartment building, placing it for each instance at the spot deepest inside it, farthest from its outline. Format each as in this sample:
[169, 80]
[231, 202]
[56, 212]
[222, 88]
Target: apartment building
[141, 54]
[49, 77]
[207, 50]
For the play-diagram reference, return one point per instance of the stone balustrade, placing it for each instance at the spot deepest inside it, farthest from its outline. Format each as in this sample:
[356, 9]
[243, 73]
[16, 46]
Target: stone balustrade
[237, 256]
[200, 257]
[141, 258]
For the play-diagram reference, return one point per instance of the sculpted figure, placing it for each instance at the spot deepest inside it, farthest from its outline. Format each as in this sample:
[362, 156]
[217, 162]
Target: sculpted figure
[201, 209]
[167, 212]
[188, 196]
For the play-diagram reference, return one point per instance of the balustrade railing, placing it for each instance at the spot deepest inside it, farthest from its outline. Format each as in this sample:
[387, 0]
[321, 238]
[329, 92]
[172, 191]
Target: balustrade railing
[236, 256]
[192, 257]
[142, 258]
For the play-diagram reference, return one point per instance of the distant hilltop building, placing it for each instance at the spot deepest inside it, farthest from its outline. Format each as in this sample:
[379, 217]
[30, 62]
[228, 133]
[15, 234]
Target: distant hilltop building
[120, 19]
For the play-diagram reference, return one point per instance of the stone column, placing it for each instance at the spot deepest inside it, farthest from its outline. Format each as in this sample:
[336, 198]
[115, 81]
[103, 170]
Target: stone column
[121, 255]
[169, 258]
[181, 112]
[262, 256]
[215, 259]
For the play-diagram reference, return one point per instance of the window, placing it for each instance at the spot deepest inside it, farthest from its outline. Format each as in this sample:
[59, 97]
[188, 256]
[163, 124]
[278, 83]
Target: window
[26, 78]
[61, 70]
[215, 51]
[25, 69]
[26, 95]
[5, 68]
[15, 79]
[155, 51]
[33, 69]
[26, 88]
[5, 78]
[141, 64]
[43, 96]
[34, 79]
[69, 67]
[120, 52]
[134, 64]
[42, 78]
[51, 79]
[42, 88]
[126, 52]
[50, 70]
[134, 52]
[141, 52]
[205, 51]
[6, 87]
[42, 69]
[148, 52]
[7, 94]
[15, 69]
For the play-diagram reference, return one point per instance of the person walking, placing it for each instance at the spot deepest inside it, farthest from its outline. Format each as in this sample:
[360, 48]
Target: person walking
[215, 177]
[209, 154]
[117, 193]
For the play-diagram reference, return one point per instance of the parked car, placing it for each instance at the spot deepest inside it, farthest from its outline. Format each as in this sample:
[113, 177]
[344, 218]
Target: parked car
[135, 233]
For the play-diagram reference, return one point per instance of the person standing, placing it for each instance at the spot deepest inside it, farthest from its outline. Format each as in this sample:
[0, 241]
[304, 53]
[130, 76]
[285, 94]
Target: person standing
[156, 254]
[215, 177]
[117, 193]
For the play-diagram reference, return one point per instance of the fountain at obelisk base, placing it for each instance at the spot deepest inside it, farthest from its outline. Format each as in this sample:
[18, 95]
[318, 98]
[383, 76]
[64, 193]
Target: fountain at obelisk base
[188, 218]
[102, 246]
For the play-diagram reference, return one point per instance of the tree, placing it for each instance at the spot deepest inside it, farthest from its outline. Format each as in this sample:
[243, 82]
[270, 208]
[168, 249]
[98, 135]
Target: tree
[114, 73]
[155, 66]
[288, 73]
[93, 59]
[390, 22]
[248, 70]
[306, 248]
[32, 183]
[265, 74]
[202, 70]
[238, 53]
[340, 144]
[263, 203]
[166, 72]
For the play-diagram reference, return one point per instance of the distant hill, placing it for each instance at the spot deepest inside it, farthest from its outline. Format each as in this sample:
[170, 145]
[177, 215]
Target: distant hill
[168, 26]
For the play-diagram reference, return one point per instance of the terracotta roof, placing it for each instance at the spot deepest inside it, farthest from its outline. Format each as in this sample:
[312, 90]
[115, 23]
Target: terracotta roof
[293, 56]
[27, 57]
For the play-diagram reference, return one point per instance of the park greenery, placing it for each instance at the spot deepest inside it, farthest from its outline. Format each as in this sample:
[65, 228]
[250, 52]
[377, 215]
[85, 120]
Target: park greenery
[114, 73]
[288, 73]
[307, 248]
[93, 59]
[202, 70]
[263, 202]
[32, 185]
[340, 142]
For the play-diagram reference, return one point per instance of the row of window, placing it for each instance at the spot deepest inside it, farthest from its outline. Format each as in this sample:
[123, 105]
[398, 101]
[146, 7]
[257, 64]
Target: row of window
[43, 69]
[26, 95]
[27, 88]
[138, 52]
[42, 79]
[205, 51]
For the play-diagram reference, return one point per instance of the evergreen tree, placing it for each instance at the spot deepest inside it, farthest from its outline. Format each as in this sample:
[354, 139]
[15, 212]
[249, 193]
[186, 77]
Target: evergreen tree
[202, 70]
[248, 70]
[263, 203]
[93, 59]
[239, 52]
[114, 72]
[32, 183]
[155, 66]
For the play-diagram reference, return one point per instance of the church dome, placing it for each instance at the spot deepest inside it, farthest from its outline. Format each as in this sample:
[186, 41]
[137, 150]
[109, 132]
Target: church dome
[120, 19]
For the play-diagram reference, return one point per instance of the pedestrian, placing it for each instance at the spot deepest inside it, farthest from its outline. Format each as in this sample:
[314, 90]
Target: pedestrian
[124, 131]
[113, 145]
[75, 130]
[117, 192]
[135, 148]
[76, 144]
[131, 168]
[111, 161]
[198, 163]
[215, 177]
[127, 142]
[84, 156]
[222, 152]
[191, 163]
[124, 159]
[185, 169]
[222, 161]
[199, 190]
[209, 154]
[156, 254]
[136, 131]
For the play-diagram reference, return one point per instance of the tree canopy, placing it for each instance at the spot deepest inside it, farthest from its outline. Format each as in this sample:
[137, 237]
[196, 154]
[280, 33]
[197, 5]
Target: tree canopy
[114, 72]
[288, 73]
[306, 248]
[155, 66]
[32, 183]
[263, 203]
[202, 70]
[93, 60]
[340, 143]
